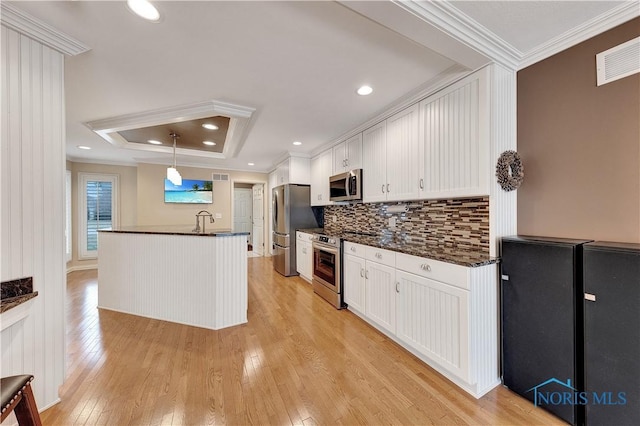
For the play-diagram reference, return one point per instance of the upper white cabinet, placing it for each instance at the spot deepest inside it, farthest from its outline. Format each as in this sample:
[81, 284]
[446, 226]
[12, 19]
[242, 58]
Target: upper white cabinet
[390, 158]
[454, 140]
[321, 170]
[374, 163]
[403, 150]
[348, 155]
[293, 170]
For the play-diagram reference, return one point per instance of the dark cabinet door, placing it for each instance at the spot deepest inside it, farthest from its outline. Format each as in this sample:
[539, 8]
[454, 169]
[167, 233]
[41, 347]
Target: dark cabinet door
[539, 334]
[612, 333]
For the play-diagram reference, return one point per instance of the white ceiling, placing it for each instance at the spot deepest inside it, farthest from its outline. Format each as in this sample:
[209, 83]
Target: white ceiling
[297, 63]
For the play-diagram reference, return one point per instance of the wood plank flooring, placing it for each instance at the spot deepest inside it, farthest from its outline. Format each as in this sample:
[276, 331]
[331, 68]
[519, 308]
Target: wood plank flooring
[298, 361]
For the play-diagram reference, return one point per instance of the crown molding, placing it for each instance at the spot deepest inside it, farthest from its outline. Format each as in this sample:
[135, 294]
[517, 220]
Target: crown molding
[604, 22]
[23, 23]
[451, 21]
[103, 162]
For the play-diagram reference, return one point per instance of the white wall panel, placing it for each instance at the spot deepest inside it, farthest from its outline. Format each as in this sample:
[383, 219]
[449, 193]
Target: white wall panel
[502, 204]
[32, 222]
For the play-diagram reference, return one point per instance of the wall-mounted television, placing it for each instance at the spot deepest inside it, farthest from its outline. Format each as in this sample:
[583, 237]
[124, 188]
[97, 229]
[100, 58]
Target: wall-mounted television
[190, 192]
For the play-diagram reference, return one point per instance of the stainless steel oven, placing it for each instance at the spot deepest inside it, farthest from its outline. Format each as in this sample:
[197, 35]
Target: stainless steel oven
[327, 269]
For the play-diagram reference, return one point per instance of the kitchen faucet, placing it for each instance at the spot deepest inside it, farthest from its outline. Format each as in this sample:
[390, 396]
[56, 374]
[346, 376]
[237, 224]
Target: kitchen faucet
[203, 214]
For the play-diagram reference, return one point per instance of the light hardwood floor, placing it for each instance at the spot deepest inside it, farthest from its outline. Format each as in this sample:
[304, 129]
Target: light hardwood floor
[297, 361]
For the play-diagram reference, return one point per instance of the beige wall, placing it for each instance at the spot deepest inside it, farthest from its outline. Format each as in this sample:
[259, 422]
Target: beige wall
[580, 145]
[152, 210]
[127, 202]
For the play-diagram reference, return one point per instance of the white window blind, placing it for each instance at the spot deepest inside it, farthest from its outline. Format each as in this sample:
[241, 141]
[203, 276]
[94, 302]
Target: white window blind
[98, 210]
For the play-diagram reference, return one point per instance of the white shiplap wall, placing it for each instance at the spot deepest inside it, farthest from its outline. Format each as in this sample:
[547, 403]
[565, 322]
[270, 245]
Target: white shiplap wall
[32, 211]
[502, 205]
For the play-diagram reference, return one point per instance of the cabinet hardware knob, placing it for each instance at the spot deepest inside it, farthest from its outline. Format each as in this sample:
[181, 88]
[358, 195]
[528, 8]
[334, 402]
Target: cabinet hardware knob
[383, 188]
[362, 272]
[366, 273]
[421, 184]
[387, 187]
[425, 267]
[590, 297]
[397, 287]
[378, 255]
[347, 160]
[353, 249]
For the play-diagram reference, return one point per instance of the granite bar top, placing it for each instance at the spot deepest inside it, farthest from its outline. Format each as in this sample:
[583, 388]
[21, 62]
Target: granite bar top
[456, 255]
[16, 292]
[173, 230]
[311, 230]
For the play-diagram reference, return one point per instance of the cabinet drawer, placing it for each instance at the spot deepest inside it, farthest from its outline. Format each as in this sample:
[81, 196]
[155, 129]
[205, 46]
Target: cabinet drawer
[355, 249]
[383, 256]
[448, 273]
[303, 236]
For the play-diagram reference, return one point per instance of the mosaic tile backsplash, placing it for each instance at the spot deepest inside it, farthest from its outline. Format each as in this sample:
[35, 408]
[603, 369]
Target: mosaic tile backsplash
[460, 223]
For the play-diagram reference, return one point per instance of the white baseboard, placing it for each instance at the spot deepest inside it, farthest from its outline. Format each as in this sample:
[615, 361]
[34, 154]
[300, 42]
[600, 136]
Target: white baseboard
[57, 401]
[82, 268]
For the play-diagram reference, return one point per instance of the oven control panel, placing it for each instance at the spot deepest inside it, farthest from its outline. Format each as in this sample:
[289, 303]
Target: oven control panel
[326, 240]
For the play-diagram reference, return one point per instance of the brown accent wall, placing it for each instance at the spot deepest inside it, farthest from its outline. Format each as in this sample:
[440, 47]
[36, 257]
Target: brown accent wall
[580, 145]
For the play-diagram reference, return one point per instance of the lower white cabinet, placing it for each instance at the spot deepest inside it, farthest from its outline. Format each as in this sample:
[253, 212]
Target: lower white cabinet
[380, 295]
[304, 255]
[433, 318]
[445, 314]
[354, 274]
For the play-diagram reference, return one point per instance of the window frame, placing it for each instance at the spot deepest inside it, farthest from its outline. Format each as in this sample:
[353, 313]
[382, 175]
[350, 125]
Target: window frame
[83, 178]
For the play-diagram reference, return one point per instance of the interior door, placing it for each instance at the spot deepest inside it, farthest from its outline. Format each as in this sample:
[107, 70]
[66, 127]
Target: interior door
[242, 210]
[258, 219]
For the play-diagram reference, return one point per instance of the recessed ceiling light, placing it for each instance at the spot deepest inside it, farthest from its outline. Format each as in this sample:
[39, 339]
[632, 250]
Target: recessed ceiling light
[297, 143]
[210, 126]
[210, 143]
[251, 164]
[365, 90]
[154, 142]
[144, 9]
[84, 147]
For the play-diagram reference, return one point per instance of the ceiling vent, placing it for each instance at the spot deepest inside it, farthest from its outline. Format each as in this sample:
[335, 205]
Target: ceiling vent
[618, 62]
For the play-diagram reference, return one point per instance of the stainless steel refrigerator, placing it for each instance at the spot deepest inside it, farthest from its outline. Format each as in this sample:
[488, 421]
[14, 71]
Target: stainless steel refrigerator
[291, 211]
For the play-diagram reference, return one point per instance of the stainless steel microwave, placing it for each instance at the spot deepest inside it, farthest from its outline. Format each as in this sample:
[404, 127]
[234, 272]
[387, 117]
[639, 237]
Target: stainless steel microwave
[346, 186]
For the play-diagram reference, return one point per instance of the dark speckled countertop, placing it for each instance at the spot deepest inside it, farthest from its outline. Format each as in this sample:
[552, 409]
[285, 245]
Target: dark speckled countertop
[458, 256]
[16, 292]
[173, 230]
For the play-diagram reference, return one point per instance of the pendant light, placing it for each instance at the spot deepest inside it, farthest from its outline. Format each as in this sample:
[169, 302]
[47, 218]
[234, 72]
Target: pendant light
[172, 173]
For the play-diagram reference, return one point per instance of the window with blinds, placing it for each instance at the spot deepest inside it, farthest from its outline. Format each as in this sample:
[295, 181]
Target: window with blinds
[98, 210]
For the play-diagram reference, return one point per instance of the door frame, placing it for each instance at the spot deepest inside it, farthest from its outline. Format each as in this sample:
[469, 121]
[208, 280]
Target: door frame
[265, 208]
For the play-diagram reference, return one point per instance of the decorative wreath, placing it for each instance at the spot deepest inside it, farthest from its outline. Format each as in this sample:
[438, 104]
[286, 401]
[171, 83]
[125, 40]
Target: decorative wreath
[509, 170]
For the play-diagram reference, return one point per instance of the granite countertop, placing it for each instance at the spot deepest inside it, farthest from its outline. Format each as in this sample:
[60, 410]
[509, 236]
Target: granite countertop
[16, 292]
[311, 230]
[173, 230]
[458, 256]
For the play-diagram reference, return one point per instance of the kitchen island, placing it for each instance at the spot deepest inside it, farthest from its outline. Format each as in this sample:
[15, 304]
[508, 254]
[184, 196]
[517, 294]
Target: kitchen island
[174, 274]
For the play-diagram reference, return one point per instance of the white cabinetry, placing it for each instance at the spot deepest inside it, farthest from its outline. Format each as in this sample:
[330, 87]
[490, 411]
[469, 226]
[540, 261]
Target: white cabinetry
[445, 314]
[304, 255]
[454, 135]
[446, 339]
[321, 170]
[390, 158]
[374, 163]
[354, 274]
[293, 170]
[348, 155]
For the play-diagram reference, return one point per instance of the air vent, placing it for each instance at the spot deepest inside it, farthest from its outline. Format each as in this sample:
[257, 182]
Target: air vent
[618, 62]
[220, 176]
